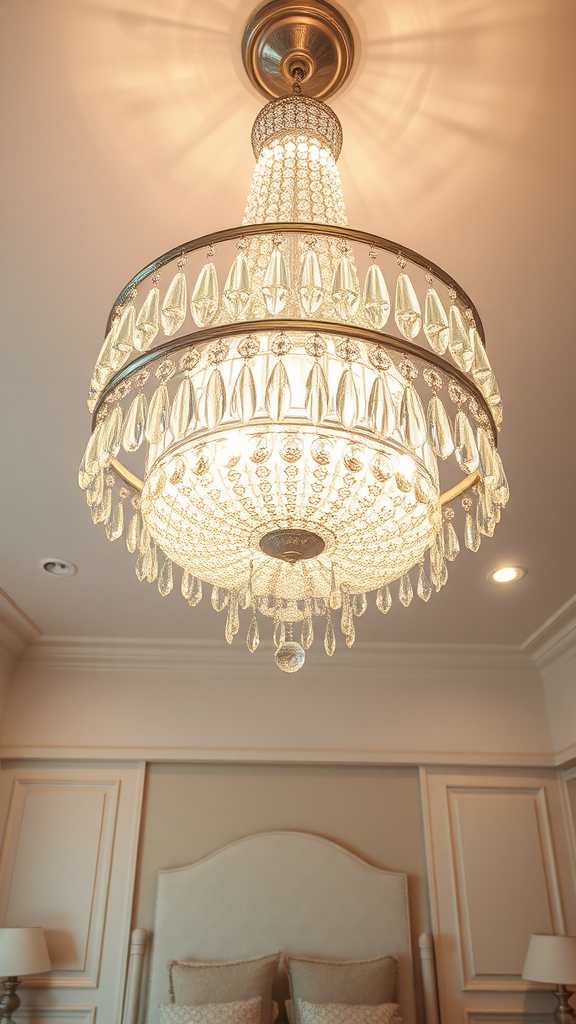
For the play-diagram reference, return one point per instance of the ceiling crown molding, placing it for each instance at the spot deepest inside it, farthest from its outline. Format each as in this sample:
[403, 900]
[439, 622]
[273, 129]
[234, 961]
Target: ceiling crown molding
[554, 642]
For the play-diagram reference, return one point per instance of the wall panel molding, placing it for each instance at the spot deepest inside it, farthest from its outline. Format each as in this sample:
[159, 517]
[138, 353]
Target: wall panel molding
[58, 1015]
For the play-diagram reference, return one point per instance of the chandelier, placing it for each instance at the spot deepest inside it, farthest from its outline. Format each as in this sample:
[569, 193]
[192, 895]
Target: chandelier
[292, 412]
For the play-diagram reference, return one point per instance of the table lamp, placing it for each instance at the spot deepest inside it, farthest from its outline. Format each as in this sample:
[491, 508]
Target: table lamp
[22, 951]
[552, 958]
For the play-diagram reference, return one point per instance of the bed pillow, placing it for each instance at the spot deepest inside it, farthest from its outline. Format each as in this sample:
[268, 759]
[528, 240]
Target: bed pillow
[245, 1011]
[354, 982]
[192, 983]
[344, 1013]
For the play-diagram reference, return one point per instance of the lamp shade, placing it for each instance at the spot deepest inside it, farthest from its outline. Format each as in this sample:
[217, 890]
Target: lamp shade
[23, 951]
[551, 958]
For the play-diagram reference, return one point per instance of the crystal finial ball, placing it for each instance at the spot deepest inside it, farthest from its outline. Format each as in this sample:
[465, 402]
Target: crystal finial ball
[290, 656]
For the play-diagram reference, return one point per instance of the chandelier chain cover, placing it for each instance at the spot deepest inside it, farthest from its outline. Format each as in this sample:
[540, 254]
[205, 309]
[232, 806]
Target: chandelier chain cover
[296, 414]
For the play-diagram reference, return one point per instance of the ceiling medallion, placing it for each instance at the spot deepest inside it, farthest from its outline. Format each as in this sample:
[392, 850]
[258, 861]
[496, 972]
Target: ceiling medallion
[267, 417]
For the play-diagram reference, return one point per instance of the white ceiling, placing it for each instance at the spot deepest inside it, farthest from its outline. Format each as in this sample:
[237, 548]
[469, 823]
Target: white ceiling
[126, 130]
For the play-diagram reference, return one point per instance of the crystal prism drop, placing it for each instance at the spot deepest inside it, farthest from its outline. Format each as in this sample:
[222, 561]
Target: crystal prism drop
[219, 598]
[381, 408]
[500, 488]
[89, 465]
[151, 563]
[383, 599]
[236, 292]
[487, 464]
[307, 634]
[319, 605]
[459, 342]
[147, 321]
[253, 638]
[424, 587]
[471, 533]
[329, 638]
[347, 399]
[244, 598]
[215, 401]
[439, 429]
[359, 604]
[375, 298]
[158, 413]
[244, 395]
[346, 621]
[174, 306]
[133, 534]
[276, 284]
[279, 634]
[495, 402]
[195, 592]
[232, 623]
[443, 574]
[464, 443]
[124, 332]
[145, 540]
[405, 592]
[95, 489]
[277, 398]
[412, 419]
[435, 322]
[186, 585]
[431, 463]
[451, 544]
[112, 433]
[115, 524]
[166, 579]
[310, 289]
[139, 567]
[407, 312]
[345, 292]
[183, 414]
[350, 635]
[317, 395]
[481, 369]
[204, 301]
[133, 433]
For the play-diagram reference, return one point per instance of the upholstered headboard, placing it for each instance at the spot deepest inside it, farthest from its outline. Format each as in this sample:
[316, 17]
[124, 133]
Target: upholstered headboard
[287, 891]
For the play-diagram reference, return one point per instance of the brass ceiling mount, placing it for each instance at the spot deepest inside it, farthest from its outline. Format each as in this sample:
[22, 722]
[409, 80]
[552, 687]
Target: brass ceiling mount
[304, 41]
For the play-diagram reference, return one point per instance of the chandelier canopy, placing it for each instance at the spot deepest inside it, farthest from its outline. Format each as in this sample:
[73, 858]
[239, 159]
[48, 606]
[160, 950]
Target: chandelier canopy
[271, 418]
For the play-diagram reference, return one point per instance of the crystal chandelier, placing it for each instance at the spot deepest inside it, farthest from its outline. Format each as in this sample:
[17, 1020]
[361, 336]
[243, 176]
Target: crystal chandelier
[289, 410]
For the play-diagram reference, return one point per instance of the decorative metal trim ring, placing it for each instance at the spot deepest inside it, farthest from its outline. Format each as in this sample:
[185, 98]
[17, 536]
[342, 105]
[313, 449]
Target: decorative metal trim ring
[331, 230]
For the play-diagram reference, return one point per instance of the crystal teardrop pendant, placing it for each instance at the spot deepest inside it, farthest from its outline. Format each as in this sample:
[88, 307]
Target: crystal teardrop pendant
[359, 604]
[166, 578]
[244, 598]
[500, 489]
[310, 291]
[219, 598]
[451, 543]
[487, 465]
[381, 408]
[464, 443]
[346, 620]
[350, 635]
[435, 322]
[307, 634]
[276, 284]
[195, 592]
[329, 637]
[236, 294]
[459, 342]
[133, 433]
[174, 305]
[95, 489]
[183, 414]
[158, 414]
[407, 312]
[494, 401]
[215, 399]
[232, 621]
[204, 301]
[383, 599]
[152, 563]
[89, 464]
[139, 567]
[412, 419]
[115, 524]
[112, 433]
[148, 320]
[347, 399]
[481, 369]
[277, 397]
[439, 429]
[133, 532]
[279, 634]
[186, 585]
[101, 513]
[405, 592]
[471, 533]
[375, 297]
[124, 332]
[345, 291]
[424, 587]
[317, 395]
[253, 638]
[244, 395]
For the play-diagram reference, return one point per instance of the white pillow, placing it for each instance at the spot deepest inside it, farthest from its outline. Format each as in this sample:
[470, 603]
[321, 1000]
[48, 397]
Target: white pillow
[345, 1013]
[245, 1011]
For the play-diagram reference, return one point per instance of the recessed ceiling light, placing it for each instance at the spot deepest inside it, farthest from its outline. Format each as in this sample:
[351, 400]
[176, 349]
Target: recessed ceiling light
[58, 567]
[507, 574]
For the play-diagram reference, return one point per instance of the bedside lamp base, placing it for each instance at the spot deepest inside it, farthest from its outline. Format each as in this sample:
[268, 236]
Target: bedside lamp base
[564, 1013]
[10, 1001]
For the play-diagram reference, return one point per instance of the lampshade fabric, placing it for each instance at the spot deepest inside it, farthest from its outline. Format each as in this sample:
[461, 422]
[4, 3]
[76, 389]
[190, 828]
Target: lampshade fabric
[23, 951]
[551, 958]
